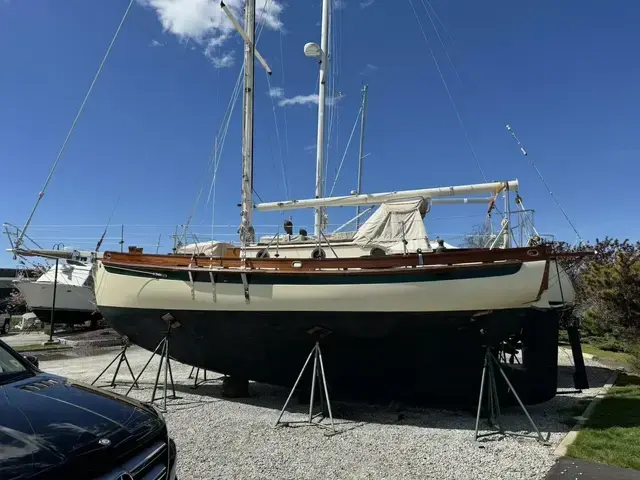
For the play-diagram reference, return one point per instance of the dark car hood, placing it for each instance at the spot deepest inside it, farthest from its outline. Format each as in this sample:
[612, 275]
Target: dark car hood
[47, 422]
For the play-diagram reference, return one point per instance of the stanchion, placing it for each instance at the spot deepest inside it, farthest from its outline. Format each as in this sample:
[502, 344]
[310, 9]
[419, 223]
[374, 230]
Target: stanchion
[165, 362]
[493, 401]
[121, 357]
[318, 376]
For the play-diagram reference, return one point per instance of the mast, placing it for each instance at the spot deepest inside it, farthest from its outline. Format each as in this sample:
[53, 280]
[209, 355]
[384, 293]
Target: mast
[361, 152]
[322, 94]
[246, 229]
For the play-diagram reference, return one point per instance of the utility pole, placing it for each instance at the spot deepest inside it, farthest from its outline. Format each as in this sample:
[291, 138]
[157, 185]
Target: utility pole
[361, 152]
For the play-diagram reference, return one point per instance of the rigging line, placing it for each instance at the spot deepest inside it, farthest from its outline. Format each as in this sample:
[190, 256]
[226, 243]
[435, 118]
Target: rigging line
[440, 22]
[217, 152]
[446, 87]
[73, 125]
[286, 128]
[346, 150]
[455, 70]
[275, 121]
[215, 158]
[190, 217]
[220, 138]
[108, 223]
[257, 195]
[531, 162]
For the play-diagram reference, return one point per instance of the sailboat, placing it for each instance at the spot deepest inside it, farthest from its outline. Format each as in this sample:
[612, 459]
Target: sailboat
[405, 325]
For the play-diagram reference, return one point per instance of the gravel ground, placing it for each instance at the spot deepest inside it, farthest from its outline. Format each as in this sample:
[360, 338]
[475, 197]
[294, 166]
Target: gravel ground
[220, 438]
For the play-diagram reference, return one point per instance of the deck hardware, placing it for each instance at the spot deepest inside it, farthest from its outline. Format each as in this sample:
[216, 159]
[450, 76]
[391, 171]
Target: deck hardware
[212, 276]
[193, 290]
[245, 283]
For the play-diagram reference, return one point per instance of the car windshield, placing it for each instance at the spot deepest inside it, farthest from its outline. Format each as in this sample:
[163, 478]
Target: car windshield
[9, 364]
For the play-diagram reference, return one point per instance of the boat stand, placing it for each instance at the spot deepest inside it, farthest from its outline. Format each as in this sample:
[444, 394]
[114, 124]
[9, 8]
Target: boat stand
[205, 379]
[318, 377]
[121, 357]
[493, 402]
[165, 363]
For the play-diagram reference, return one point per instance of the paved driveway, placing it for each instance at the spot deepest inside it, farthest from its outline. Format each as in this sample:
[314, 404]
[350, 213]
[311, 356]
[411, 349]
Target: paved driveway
[14, 339]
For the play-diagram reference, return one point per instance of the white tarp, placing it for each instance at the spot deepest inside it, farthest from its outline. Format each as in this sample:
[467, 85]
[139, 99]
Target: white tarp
[208, 249]
[391, 223]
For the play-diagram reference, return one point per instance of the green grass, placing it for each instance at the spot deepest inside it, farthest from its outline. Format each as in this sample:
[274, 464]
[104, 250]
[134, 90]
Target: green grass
[616, 357]
[573, 411]
[612, 434]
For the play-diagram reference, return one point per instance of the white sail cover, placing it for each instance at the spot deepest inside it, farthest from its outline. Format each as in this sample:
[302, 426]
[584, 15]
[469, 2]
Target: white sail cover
[208, 249]
[391, 223]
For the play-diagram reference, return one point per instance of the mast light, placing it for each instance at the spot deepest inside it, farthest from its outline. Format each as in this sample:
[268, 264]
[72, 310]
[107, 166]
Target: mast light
[312, 50]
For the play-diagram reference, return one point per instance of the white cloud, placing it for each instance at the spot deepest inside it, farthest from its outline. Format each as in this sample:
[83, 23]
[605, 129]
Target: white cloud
[309, 148]
[156, 43]
[367, 3]
[204, 22]
[276, 92]
[369, 69]
[339, 4]
[225, 60]
[299, 100]
[307, 99]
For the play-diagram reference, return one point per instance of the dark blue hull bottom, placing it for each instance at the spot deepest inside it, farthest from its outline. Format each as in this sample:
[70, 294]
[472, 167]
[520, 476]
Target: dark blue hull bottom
[417, 358]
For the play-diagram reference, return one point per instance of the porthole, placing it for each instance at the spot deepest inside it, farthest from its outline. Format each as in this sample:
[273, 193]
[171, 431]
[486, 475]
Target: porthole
[262, 254]
[318, 254]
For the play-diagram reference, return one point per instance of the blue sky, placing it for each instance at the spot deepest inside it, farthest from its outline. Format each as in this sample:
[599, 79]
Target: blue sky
[564, 75]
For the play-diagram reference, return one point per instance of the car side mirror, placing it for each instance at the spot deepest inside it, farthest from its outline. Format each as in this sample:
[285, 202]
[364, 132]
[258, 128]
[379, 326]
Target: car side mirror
[33, 360]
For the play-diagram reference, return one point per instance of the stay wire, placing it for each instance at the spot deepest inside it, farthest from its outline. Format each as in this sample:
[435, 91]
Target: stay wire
[73, 125]
[446, 87]
[275, 121]
[346, 150]
[446, 52]
[532, 163]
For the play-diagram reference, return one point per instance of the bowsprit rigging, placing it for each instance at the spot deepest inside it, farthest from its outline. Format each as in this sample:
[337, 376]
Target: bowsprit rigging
[531, 162]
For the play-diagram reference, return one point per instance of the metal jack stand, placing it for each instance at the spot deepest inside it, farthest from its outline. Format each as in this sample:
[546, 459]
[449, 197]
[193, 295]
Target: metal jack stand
[493, 418]
[165, 362]
[121, 357]
[318, 376]
[195, 381]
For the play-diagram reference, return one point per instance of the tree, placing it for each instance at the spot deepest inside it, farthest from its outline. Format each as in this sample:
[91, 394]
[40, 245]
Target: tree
[480, 237]
[16, 302]
[612, 283]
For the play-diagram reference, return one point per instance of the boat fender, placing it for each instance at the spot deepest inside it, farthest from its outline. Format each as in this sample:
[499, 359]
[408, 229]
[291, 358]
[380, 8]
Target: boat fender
[420, 260]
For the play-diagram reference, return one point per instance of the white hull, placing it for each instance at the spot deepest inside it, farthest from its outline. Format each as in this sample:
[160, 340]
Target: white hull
[39, 296]
[520, 289]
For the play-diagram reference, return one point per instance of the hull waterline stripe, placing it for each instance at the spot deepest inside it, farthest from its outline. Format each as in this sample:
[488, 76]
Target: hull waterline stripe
[329, 278]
